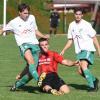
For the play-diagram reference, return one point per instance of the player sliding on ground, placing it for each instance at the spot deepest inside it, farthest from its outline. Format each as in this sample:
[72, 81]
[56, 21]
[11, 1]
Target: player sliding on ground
[47, 66]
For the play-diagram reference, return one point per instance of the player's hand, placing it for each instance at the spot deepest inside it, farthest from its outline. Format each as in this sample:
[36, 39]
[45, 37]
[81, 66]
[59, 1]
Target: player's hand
[18, 77]
[47, 36]
[99, 53]
[1, 31]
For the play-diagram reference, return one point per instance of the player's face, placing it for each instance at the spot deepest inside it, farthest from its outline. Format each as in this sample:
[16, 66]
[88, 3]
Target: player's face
[78, 16]
[44, 46]
[24, 14]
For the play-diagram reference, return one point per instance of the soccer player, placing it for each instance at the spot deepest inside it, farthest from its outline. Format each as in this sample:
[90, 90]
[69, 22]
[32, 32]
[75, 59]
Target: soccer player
[25, 31]
[84, 37]
[48, 65]
[54, 21]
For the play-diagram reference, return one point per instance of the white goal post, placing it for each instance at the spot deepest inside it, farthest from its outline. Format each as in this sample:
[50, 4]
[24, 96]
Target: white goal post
[4, 14]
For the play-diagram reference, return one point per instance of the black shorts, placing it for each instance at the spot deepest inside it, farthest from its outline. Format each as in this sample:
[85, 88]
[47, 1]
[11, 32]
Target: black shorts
[53, 80]
[53, 25]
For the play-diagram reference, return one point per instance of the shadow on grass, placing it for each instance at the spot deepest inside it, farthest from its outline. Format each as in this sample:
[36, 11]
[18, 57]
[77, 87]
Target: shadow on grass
[30, 89]
[37, 90]
[79, 87]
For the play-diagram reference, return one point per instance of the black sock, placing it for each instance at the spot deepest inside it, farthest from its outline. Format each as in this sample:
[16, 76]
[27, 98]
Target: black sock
[49, 91]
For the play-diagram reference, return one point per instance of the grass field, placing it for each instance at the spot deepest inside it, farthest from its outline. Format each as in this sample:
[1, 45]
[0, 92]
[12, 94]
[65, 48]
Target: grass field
[11, 64]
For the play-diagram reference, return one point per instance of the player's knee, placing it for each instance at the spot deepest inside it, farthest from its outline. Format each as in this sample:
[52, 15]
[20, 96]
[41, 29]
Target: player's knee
[65, 89]
[31, 61]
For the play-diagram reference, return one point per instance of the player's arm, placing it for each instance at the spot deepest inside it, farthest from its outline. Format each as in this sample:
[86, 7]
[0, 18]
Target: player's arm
[96, 43]
[59, 58]
[7, 31]
[2, 31]
[67, 62]
[38, 33]
[67, 46]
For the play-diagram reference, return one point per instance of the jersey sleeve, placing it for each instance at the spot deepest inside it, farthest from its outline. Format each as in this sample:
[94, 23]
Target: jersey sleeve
[8, 27]
[91, 31]
[58, 57]
[69, 32]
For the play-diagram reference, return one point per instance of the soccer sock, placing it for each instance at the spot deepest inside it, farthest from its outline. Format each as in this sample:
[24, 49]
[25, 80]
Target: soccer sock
[36, 58]
[82, 74]
[49, 91]
[22, 81]
[88, 76]
[93, 78]
[33, 72]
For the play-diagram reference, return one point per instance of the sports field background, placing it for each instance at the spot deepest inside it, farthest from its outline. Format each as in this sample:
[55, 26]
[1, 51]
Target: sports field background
[11, 64]
[41, 14]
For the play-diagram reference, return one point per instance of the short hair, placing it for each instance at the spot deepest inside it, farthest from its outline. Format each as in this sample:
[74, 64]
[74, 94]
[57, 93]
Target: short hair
[78, 9]
[43, 39]
[22, 7]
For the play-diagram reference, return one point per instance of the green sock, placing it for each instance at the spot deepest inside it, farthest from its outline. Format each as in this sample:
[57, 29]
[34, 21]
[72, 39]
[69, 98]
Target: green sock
[93, 78]
[22, 81]
[33, 72]
[88, 76]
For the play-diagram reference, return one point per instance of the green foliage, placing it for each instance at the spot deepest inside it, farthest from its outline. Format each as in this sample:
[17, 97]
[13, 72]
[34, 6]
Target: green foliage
[1, 11]
[37, 9]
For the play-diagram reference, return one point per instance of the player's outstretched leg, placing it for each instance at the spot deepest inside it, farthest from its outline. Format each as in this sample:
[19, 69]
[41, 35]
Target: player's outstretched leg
[25, 79]
[41, 78]
[13, 88]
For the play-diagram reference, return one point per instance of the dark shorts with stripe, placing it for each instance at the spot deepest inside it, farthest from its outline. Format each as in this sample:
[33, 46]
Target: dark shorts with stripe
[53, 80]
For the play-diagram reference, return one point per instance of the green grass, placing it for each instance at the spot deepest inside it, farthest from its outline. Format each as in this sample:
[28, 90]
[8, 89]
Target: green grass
[11, 64]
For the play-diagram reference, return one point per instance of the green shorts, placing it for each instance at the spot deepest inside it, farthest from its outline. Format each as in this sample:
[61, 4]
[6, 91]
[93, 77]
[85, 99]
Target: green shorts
[86, 55]
[35, 50]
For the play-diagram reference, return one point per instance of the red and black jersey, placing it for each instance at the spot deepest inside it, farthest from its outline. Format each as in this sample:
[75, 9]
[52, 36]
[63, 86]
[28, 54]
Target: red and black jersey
[49, 63]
